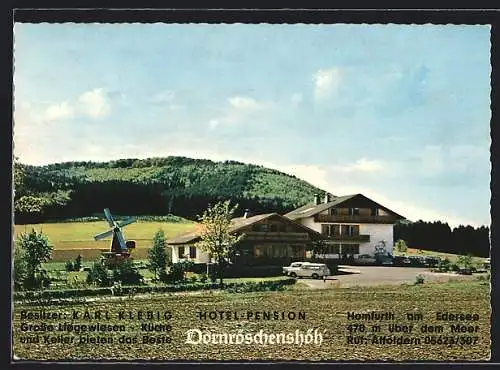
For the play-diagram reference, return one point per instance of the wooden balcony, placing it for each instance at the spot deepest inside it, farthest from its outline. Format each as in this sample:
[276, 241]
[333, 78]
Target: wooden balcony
[356, 219]
[349, 238]
[262, 235]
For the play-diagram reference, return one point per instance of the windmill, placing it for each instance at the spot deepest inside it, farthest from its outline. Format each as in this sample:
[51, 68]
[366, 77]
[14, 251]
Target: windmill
[120, 247]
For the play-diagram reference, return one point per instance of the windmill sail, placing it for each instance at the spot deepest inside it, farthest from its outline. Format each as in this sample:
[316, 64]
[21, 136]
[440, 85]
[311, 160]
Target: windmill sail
[127, 222]
[104, 235]
[109, 217]
[121, 239]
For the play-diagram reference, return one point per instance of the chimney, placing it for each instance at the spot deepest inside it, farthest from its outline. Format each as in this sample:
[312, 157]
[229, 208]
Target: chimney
[316, 199]
[327, 197]
[247, 213]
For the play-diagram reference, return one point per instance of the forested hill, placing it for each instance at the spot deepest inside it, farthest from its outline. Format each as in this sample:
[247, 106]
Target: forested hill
[156, 186]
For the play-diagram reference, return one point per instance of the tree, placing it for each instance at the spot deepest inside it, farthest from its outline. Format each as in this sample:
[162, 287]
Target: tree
[157, 254]
[216, 237]
[98, 275]
[401, 246]
[36, 250]
[20, 269]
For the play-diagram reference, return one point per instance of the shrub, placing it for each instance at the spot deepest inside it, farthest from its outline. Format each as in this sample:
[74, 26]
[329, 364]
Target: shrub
[454, 267]
[193, 279]
[444, 265]
[465, 263]
[68, 266]
[419, 279]
[126, 273]
[98, 275]
[77, 265]
[178, 271]
[163, 276]
[203, 278]
[401, 246]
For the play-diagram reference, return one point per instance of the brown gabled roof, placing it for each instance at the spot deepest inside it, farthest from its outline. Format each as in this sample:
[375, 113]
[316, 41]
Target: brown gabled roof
[237, 224]
[312, 209]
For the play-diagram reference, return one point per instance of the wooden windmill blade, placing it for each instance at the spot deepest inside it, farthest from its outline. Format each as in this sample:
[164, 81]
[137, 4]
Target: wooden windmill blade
[104, 235]
[109, 217]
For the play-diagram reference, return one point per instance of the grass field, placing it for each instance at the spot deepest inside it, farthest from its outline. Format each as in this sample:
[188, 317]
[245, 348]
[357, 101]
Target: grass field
[73, 238]
[324, 309]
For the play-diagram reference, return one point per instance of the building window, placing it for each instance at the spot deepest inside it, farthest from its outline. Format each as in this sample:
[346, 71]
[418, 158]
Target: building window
[350, 230]
[334, 249]
[333, 211]
[280, 251]
[192, 252]
[350, 248]
[325, 229]
[259, 251]
[181, 252]
[375, 212]
[335, 230]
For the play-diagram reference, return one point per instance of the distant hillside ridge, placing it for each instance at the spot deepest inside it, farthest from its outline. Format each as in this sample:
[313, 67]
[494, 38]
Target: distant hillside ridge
[155, 186]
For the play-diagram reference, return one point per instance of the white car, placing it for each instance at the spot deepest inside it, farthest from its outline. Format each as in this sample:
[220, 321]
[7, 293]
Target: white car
[307, 269]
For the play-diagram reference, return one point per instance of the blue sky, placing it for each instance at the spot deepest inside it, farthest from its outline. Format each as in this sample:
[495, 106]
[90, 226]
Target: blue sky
[399, 113]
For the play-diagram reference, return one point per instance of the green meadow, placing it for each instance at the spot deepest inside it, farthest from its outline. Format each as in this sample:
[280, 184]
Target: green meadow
[72, 238]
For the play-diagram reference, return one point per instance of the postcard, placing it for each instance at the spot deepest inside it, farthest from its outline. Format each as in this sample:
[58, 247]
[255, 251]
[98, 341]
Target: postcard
[251, 192]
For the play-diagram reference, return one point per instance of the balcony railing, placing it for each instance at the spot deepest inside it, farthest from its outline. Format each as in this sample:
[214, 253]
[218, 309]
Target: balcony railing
[349, 238]
[355, 218]
[271, 235]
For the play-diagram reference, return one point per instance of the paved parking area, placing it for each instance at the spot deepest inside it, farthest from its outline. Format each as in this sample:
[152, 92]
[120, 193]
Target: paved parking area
[377, 275]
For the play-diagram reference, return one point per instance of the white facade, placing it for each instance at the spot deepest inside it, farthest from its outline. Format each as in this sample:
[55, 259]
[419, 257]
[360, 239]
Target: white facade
[201, 256]
[377, 233]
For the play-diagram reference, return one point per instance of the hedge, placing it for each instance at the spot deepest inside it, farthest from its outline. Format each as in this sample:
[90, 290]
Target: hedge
[128, 290]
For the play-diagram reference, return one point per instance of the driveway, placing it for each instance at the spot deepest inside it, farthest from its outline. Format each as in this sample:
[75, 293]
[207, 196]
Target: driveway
[377, 275]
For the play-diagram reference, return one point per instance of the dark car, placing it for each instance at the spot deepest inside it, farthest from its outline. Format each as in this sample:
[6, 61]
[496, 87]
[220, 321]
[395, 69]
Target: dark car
[401, 261]
[385, 259]
[417, 261]
[432, 261]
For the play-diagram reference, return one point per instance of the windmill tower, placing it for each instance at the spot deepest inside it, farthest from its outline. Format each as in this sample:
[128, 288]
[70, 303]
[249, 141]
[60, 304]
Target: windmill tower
[120, 247]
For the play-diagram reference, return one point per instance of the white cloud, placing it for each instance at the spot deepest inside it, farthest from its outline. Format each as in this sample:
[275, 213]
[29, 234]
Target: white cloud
[365, 165]
[240, 108]
[94, 103]
[57, 112]
[326, 178]
[245, 103]
[326, 82]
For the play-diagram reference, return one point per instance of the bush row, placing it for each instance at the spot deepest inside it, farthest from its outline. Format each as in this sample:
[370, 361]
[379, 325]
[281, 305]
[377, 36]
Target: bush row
[141, 289]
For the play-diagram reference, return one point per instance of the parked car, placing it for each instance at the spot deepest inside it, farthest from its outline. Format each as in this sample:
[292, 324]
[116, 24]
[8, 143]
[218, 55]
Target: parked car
[417, 261]
[432, 261]
[307, 269]
[384, 259]
[366, 259]
[401, 261]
